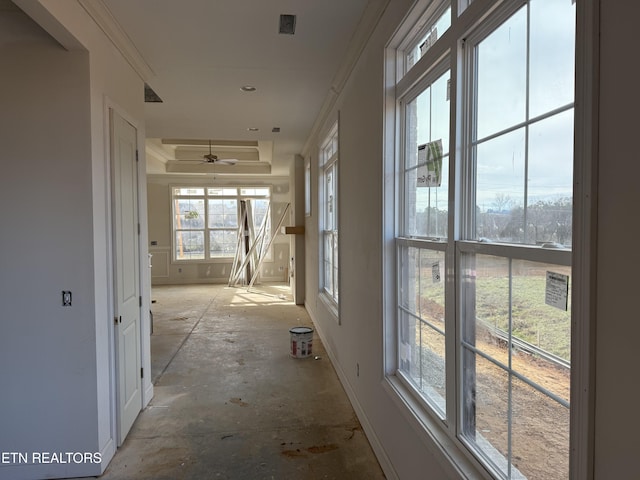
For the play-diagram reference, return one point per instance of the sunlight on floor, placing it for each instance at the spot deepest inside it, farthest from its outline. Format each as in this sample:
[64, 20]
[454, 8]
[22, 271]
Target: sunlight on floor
[262, 295]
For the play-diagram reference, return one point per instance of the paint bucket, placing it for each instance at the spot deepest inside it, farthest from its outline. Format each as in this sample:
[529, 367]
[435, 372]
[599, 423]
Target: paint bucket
[301, 342]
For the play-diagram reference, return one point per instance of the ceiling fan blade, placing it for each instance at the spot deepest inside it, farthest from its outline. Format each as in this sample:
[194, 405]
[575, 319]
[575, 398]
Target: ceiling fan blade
[210, 158]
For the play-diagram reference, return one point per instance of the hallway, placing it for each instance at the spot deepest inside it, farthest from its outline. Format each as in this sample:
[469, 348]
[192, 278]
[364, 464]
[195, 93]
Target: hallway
[230, 403]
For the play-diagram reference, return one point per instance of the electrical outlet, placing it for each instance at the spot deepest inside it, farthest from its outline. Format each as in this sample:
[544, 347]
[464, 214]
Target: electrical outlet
[66, 298]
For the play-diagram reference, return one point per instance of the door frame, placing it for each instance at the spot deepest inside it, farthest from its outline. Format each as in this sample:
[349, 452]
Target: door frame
[144, 270]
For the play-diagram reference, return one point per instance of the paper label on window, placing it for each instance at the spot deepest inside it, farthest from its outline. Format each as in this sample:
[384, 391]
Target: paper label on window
[430, 174]
[557, 290]
[435, 272]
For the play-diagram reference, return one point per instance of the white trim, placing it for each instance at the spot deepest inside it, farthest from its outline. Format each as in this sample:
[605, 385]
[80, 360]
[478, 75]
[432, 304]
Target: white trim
[205, 196]
[480, 18]
[583, 293]
[451, 455]
[331, 133]
[101, 15]
[144, 275]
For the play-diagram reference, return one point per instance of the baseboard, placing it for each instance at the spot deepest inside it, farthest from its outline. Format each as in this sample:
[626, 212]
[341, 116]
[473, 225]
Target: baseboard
[376, 445]
[147, 395]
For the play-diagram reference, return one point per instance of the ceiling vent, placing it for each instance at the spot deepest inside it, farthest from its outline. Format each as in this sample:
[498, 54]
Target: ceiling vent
[275, 130]
[287, 24]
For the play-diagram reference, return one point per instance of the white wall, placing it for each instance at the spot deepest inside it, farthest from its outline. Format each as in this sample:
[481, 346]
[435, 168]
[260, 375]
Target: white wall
[47, 352]
[56, 362]
[618, 318]
[166, 272]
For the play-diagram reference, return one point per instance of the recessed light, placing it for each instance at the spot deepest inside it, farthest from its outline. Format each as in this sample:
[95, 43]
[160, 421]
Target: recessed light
[253, 129]
[248, 88]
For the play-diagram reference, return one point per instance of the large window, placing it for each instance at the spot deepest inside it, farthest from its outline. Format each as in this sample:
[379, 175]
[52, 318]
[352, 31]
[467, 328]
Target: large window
[483, 228]
[329, 180]
[206, 219]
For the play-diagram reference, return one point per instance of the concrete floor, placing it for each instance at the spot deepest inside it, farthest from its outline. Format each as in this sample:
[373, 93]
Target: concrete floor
[229, 401]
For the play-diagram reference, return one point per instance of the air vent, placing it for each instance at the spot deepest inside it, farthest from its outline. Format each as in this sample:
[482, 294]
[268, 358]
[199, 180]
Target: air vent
[150, 96]
[287, 24]
[275, 130]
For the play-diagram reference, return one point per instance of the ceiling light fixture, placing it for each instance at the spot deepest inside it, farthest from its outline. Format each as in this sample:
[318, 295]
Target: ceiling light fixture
[248, 88]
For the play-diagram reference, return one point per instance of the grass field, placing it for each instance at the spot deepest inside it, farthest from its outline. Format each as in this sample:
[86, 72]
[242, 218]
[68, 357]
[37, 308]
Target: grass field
[532, 320]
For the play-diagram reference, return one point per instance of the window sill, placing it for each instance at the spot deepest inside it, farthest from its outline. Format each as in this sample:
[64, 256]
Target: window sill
[331, 306]
[204, 260]
[450, 452]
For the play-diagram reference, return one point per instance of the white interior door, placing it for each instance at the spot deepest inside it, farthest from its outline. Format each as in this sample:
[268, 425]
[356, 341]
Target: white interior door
[126, 272]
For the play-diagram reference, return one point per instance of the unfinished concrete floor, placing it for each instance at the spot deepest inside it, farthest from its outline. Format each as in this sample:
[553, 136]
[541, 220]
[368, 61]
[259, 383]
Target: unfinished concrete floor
[230, 403]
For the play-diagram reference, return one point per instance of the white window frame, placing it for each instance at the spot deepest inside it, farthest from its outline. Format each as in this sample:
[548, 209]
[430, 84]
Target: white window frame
[329, 201]
[238, 196]
[445, 434]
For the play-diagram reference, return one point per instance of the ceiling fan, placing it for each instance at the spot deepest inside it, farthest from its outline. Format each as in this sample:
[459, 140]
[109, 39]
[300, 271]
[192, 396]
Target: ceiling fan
[211, 158]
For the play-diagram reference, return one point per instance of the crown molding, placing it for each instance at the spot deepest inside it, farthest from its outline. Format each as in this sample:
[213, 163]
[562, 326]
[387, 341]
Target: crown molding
[101, 15]
[366, 26]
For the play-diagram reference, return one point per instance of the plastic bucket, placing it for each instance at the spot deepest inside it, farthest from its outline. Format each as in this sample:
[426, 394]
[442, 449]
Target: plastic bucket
[301, 342]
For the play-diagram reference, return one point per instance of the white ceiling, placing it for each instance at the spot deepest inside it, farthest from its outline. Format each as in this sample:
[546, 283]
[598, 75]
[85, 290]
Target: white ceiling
[200, 52]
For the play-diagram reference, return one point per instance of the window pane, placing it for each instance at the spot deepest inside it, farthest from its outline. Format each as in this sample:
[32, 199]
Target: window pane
[231, 192]
[486, 411]
[550, 180]
[222, 243]
[552, 55]
[223, 213]
[409, 328]
[433, 33]
[427, 162]
[258, 192]
[409, 278]
[260, 211]
[540, 434]
[491, 308]
[328, 262]
[189, 245]
[188, 191]
[544, 330]
[335, 266]
[189, 214]
[500, 188]
[502, 76]
[524, 367]
[330, 196]
[422, 347]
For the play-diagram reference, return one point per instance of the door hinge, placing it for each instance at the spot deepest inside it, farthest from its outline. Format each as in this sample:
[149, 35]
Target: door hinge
[138, 229]
[117, 320]
[137, 156]
[142, 373]
[140, 301]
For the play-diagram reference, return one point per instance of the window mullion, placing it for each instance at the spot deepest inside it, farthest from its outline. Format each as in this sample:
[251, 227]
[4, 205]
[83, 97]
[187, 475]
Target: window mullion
[207, 251]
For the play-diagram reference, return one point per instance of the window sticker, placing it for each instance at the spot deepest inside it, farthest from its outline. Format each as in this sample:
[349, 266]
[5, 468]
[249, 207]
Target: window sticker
[435, 272]
[430, 174]
[557, 290]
